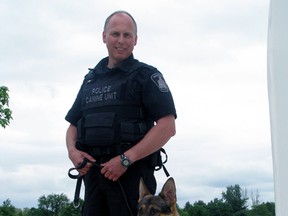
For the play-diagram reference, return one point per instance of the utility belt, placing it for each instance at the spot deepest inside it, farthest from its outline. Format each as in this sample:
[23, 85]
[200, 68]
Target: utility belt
[103, 151]
[154, 160]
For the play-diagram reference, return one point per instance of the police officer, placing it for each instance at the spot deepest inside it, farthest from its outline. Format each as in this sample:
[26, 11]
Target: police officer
[123, 114]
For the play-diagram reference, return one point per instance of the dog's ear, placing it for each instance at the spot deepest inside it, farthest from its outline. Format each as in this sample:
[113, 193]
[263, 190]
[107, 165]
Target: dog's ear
[168, 192]
[143, 191]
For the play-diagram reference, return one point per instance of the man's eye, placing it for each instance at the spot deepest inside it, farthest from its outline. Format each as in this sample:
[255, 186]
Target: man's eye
[127, 35]
[115, 34]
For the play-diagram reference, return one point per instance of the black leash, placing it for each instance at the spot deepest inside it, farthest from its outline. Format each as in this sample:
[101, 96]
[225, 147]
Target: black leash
[79, 178]
[161, 165]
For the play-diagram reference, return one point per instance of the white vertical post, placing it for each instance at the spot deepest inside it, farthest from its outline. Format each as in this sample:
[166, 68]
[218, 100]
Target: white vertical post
[278, 99]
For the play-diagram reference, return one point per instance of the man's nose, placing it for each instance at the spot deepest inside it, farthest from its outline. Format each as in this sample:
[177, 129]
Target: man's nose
[121, 38]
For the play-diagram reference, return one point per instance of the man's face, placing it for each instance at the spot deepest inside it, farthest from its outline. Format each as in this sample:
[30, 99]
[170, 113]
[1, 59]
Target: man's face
[120, 38]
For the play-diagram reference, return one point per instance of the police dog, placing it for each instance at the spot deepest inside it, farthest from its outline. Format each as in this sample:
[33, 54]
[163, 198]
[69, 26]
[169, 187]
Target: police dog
[163, 204]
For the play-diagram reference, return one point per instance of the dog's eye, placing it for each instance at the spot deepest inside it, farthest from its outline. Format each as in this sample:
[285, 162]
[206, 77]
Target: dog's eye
[154, 211]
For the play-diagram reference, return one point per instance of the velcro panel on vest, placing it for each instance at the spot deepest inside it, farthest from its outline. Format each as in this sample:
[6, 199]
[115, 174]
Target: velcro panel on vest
[99, 129]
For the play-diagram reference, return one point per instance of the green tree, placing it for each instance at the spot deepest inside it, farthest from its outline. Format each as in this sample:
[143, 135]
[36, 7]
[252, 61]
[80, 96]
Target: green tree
[186, 209]
[36, 212]
[218, 207]
[7, 209]
[236, 198]
[183, 213]
[199, 208]
[70, 210]
[271, 207]
[53, 204]
[264, 209]
[5, 112]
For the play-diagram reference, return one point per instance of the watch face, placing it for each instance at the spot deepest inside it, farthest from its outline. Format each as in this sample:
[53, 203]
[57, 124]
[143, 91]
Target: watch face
[126, 162]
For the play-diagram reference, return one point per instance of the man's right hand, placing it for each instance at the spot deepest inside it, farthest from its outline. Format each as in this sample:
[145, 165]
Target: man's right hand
[77, 157]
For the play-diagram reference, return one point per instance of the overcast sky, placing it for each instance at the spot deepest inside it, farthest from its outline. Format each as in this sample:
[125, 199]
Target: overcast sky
[213, 57]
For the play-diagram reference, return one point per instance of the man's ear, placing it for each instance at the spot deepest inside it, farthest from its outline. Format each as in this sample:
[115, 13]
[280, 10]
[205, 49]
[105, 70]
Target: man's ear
[136, 38]
[104, 37]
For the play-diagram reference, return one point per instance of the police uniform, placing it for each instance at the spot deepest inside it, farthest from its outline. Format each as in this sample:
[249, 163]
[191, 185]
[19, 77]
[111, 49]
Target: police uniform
[113, 110]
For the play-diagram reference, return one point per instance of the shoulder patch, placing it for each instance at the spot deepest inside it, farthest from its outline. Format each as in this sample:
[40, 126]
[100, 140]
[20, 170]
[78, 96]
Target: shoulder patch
[158, 79]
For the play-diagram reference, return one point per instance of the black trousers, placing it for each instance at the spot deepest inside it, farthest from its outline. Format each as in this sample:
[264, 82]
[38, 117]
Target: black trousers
[104, 197]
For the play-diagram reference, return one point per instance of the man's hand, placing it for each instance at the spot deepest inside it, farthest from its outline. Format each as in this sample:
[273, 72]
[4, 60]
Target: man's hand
[77, 158]
[113, 169]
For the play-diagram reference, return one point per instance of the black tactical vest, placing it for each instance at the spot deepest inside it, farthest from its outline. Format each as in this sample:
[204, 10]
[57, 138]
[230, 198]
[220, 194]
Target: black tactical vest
[111, 115]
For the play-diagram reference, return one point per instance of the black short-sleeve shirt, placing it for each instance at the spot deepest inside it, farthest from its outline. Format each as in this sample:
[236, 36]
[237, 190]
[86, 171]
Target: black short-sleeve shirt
[146, 87]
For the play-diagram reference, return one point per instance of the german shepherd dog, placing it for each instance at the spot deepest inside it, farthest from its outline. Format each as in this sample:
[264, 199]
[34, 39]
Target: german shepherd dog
[163, 204]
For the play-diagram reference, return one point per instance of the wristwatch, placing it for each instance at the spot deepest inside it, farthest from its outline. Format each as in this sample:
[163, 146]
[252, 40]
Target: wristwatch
[125, 161]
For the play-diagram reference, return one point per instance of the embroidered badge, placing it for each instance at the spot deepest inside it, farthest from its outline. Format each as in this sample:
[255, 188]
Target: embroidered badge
[158, 79]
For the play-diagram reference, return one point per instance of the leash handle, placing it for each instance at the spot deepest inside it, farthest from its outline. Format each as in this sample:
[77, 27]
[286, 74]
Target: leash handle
[79, 178]
[80, 166]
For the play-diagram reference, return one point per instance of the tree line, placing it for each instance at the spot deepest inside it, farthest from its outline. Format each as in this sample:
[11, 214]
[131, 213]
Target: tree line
[233, 202]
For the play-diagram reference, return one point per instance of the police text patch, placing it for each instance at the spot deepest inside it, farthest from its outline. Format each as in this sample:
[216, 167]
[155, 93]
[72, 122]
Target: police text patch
[158, 79]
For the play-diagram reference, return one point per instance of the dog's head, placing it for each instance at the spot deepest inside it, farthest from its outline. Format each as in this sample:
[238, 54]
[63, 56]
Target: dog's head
[163, 204]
